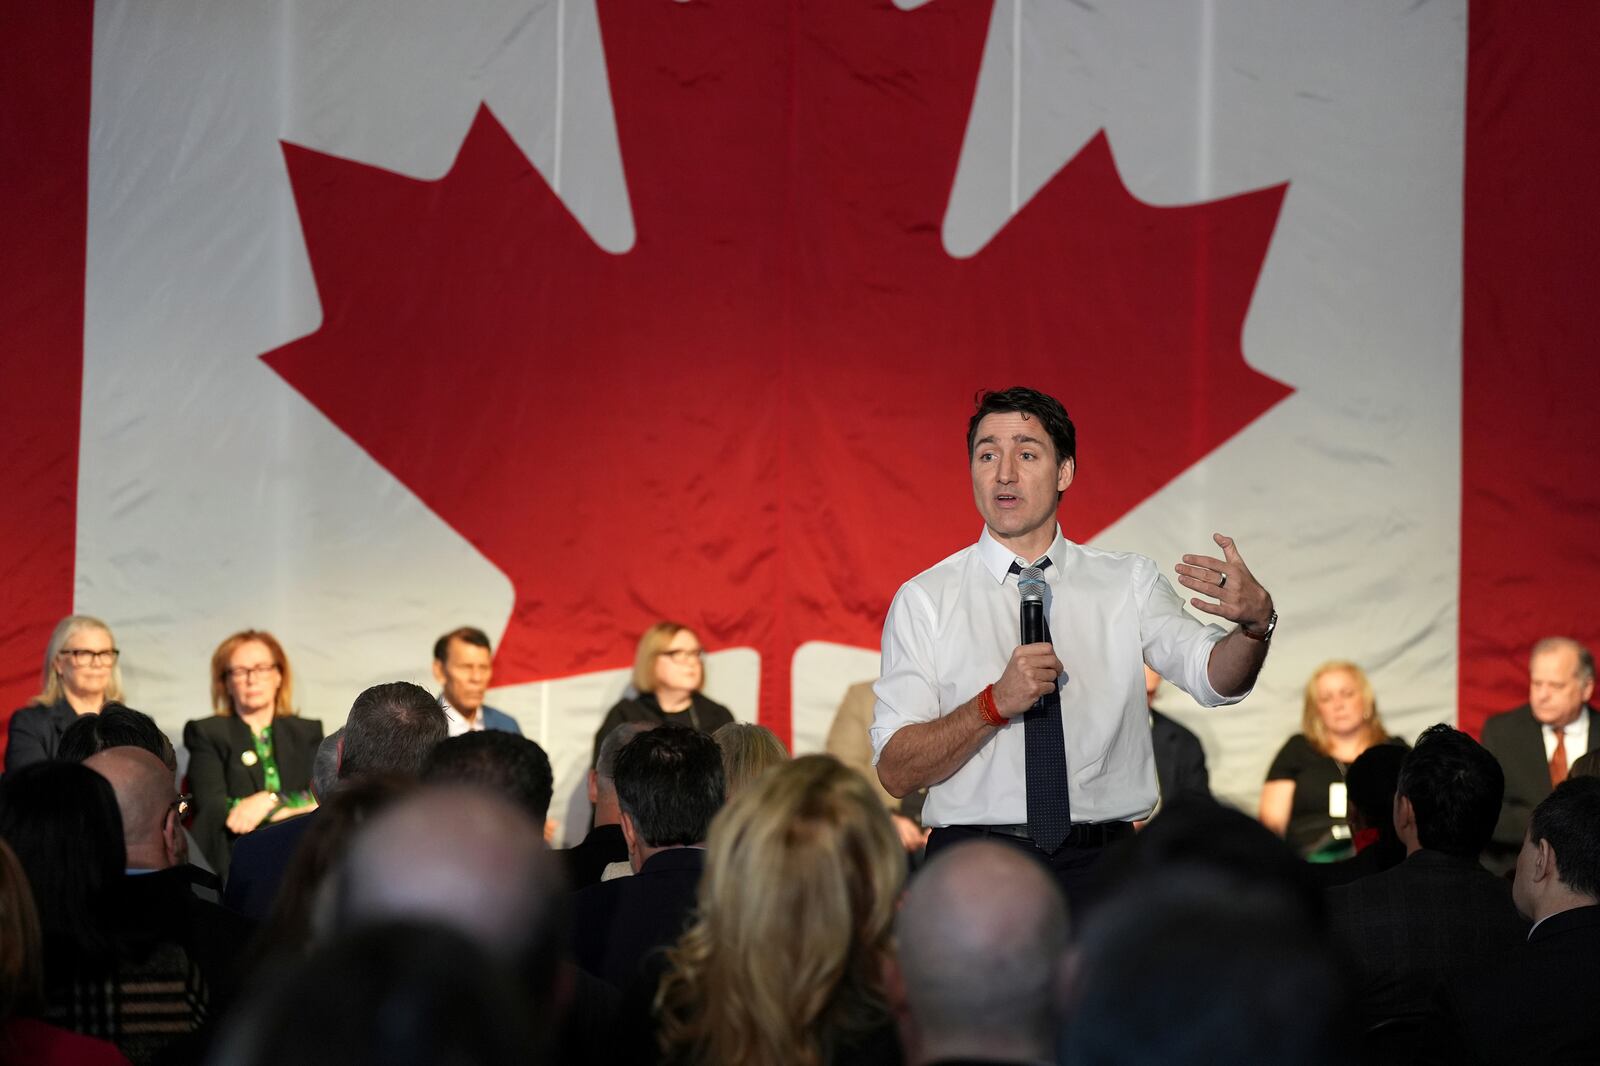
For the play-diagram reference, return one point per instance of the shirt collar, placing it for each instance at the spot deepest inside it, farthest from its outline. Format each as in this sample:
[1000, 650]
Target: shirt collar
[997, 558]
[451, 714]
[1578, 730]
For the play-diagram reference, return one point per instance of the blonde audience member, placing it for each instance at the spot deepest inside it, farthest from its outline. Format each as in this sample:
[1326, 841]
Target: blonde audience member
[748, 751]
[1304, 798]
[785, 961]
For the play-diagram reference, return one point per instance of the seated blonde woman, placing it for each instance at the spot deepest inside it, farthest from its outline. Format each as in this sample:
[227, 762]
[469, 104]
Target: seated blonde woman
[1304, 798]
[784, 963]
[81, 675]
[668, 673]
[748, 751]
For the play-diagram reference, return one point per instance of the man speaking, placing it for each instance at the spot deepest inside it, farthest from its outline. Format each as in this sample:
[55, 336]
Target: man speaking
[1045, 745]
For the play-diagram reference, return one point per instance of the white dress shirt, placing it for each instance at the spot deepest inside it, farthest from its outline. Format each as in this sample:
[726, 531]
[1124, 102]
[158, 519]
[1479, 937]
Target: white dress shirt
[951, 631]
[1575, 738]
[456, 722]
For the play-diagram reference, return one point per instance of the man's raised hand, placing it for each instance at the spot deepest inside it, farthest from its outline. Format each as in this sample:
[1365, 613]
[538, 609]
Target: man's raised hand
[1239, 596]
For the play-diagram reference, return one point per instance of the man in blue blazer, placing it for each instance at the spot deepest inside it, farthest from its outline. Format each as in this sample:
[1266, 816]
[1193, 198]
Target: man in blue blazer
[463, 666]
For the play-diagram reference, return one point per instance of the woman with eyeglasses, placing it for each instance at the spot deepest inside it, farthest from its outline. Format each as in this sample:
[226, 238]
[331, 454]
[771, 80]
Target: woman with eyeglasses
[668, 672]
[80, 677]
[250, 762]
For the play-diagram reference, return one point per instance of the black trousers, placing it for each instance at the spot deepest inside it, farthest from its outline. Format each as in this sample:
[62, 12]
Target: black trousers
[1071, 864]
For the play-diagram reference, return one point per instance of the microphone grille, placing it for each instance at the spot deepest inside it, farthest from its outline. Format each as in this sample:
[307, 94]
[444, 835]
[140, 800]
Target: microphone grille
[1031, 583]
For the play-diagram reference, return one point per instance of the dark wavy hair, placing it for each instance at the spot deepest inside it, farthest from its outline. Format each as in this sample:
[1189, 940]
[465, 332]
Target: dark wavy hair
[1046, 409]
[62, 821]
[1569, 818]
[391, 729]
[669, 781]
[116, 726]
[1455, 786]
[511, 766]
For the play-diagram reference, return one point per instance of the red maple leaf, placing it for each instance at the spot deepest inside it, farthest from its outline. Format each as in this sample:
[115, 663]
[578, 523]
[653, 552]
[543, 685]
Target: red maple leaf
[754, 419]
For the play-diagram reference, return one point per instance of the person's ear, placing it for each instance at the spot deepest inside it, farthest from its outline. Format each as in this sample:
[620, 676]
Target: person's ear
[1064, 474]
[1544, 862]
[438, 672]
[1405, 815]
[594, 788]
[173, 840]
[628, 832]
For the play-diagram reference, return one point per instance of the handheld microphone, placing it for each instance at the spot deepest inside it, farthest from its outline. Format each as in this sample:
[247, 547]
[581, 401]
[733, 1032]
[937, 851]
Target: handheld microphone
[1031, 585]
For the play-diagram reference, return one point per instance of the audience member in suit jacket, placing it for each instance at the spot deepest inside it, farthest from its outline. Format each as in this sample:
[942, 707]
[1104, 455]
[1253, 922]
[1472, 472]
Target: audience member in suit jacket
[604, 843]
[1560, 683]
[463, 665]
[1537, 1003]
[1439, 913]
[669, 787]
[391, 730]
[158, 902]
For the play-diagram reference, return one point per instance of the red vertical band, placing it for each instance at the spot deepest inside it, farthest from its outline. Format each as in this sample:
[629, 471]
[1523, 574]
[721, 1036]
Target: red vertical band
[1530, 542]
[45, 62]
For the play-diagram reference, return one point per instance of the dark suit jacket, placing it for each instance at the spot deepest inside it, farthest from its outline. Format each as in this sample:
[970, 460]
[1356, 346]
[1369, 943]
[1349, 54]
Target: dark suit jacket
[1517, 740]
[704, 714]
[617, 923]
[586, 861]
[259, 862]
[35, 732]
[498, 720]
[218, 772]
[1535, 1003]
[161, 906]
[1409, 929]
[1180, 759]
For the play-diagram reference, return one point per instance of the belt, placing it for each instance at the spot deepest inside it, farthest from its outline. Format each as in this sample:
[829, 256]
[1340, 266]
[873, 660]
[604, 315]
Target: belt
[1082, 835]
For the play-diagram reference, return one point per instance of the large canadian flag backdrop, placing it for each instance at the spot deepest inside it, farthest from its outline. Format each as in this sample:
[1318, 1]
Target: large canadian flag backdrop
[358, 321]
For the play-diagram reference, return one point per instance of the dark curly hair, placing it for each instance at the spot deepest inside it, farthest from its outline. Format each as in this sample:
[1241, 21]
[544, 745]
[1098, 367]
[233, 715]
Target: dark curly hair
[1030, 403]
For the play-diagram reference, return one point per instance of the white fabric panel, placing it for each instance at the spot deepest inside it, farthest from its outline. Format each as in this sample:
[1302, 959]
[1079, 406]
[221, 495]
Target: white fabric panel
[213, 497]
[1345, 498]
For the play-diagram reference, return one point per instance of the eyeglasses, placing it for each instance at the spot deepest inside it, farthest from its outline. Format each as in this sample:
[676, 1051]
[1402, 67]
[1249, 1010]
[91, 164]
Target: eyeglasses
[85, 656]
[684, 656]
[249, 673]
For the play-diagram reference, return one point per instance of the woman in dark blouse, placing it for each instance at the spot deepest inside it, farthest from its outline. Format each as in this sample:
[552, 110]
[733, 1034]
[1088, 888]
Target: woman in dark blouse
[1304, 799]
[250, 763]
[668, 672]
[81, 676]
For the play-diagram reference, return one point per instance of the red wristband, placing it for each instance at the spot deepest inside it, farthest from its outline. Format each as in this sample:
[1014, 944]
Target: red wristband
[987, 708]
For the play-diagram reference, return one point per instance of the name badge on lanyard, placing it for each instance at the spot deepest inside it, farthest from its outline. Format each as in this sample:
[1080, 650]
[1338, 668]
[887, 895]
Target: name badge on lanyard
[1337, 801]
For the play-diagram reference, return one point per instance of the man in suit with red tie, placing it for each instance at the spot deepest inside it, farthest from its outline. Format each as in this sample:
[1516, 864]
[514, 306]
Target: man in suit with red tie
[1537, 742]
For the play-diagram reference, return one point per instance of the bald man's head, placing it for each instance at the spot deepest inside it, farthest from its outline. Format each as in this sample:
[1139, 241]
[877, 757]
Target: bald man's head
[148, 800]
[982, 938]
[465, 858]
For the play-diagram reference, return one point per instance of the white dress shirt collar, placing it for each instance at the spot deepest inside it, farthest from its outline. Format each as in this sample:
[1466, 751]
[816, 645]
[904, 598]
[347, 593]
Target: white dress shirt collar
[1575, 738]
[456, 723]
[997, 558]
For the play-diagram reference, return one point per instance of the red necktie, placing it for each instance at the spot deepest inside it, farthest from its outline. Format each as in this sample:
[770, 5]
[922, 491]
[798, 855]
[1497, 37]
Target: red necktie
[1558, 760]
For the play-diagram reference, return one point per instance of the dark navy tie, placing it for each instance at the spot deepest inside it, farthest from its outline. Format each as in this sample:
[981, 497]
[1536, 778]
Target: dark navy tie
[1049, 810]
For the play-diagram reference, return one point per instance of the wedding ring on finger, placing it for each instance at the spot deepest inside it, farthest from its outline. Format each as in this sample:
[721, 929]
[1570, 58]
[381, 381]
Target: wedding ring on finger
[1222, 580]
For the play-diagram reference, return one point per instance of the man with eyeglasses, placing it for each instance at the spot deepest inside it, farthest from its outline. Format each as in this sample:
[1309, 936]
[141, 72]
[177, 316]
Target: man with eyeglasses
[463, 667]
[172, 944]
